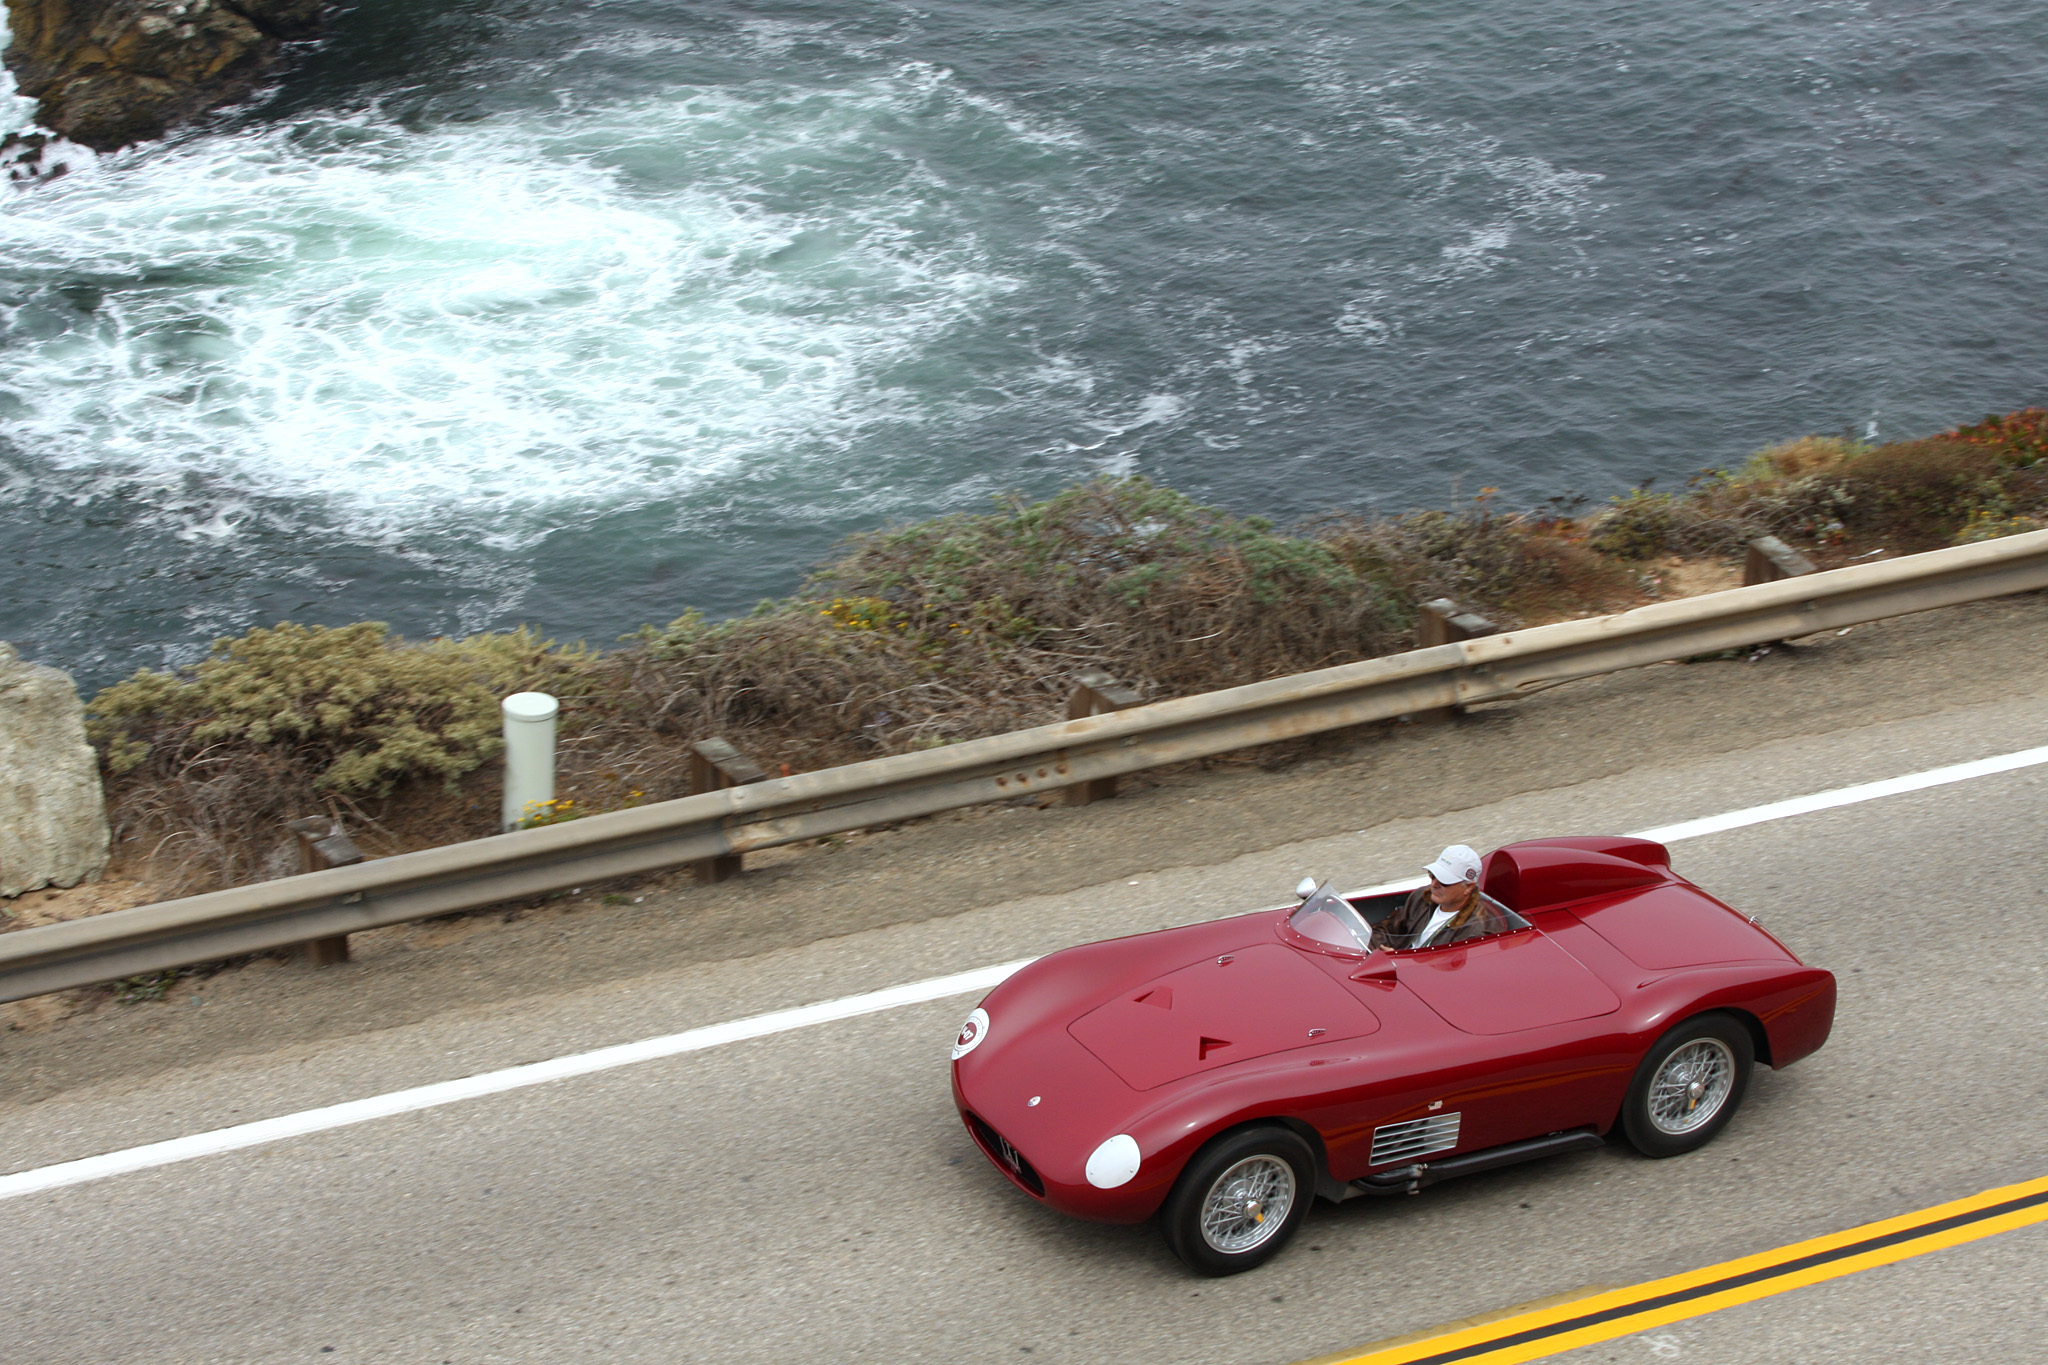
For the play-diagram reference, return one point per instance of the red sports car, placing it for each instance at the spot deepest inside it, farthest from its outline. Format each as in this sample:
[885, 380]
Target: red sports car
[1221, 1075]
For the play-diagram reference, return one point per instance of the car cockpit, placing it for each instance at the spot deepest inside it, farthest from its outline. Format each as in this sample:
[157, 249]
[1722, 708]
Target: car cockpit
[1352, 924]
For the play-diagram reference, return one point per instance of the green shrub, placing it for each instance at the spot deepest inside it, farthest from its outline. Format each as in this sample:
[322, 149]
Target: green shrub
[1798, 459]
[1636, 525]
[1908, 495]
[971, 624]
[923, 635]
[354, 709]
[1124, 539]
[1930, 483]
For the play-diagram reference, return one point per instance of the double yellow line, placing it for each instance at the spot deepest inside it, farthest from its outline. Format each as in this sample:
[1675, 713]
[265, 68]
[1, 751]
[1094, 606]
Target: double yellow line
[1586, 1319]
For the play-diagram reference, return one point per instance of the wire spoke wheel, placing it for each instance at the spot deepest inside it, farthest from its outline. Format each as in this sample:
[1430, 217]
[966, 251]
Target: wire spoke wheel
[1248, 1204]
[1240, 1199]
[1691, 1086]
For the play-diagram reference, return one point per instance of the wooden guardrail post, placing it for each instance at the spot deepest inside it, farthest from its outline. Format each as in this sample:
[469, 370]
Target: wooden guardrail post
[322, 844]
[1096, 693]
[715, 765]
[1771, 559]
[1442, 622]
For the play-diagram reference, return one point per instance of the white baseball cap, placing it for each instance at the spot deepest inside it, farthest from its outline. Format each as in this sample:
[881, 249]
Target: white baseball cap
[1458, 863]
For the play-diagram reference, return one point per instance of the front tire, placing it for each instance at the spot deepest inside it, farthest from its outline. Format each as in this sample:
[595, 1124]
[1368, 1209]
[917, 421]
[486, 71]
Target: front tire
[1688, 1086]
[1239, 1201]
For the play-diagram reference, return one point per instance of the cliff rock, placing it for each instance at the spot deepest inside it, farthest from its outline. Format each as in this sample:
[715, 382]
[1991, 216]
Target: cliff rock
[53, 821]
[107, 73]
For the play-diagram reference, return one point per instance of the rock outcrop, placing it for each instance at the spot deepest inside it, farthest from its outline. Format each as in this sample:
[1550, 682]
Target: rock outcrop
[53, 820]
[107, 73]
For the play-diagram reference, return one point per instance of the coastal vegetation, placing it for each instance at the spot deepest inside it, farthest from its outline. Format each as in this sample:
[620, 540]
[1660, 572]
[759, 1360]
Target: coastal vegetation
[966, 625]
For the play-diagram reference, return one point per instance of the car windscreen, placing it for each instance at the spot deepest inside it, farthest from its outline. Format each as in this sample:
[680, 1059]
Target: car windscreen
[1328, 918]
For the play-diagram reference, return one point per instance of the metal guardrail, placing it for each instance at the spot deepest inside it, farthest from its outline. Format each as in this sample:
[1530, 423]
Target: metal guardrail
[786, 810]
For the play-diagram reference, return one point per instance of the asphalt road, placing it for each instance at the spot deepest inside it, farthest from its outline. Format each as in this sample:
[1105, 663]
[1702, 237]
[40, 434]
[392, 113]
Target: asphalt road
[811, 1195]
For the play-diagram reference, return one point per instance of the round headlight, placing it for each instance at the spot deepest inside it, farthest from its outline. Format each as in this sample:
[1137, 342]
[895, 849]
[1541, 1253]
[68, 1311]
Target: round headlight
[971, 1033]
[1114, 1162]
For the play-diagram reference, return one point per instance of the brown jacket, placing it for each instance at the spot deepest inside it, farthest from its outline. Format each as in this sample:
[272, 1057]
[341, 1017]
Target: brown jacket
[1482, 917]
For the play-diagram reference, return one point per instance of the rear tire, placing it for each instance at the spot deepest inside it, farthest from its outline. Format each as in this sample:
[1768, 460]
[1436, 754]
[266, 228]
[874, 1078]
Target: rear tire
[1688, 1086]
[1240, 1200]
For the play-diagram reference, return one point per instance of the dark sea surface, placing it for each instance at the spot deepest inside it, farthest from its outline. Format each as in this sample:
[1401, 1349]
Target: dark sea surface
[582, 314]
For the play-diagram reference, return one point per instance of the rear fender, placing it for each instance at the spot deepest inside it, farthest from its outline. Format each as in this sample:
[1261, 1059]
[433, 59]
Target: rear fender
[1788, 1014]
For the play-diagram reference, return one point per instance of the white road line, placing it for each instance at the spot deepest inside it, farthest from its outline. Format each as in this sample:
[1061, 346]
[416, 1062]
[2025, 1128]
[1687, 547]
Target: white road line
[495, 1082]
[1848, 796]
[982, 979]
[1802, 805]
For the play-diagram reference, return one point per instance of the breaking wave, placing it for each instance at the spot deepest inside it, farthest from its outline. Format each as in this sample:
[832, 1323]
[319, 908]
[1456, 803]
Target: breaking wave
[501, 322]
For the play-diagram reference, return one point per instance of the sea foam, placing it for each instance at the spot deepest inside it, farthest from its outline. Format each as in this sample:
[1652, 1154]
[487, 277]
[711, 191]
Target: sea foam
[505, 323]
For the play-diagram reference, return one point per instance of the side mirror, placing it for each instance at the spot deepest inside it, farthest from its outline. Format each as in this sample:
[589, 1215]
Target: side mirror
[1305, 889]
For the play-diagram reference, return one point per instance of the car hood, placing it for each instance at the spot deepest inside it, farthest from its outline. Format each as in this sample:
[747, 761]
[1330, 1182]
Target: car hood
[1246, 1003]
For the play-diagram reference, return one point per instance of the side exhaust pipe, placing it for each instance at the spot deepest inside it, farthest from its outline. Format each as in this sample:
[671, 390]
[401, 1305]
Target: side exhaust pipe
[1410, 1179]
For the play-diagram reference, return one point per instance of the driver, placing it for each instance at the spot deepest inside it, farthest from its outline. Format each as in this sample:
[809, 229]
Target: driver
[1449, 909]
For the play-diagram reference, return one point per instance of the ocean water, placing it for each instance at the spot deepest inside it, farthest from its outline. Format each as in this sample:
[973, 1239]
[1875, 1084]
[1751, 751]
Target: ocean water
[582, 314]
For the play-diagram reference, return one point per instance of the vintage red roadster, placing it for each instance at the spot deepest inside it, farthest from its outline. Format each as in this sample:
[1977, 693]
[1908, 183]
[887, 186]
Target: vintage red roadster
[1220, 1076]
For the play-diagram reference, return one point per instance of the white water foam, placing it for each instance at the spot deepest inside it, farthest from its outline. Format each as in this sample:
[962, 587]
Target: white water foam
[503, 323]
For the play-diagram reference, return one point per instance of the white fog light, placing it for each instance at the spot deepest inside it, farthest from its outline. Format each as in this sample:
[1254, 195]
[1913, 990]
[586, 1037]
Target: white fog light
[1114, 1162]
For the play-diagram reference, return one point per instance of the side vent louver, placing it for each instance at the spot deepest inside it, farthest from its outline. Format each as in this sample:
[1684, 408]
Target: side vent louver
[1416, 1137]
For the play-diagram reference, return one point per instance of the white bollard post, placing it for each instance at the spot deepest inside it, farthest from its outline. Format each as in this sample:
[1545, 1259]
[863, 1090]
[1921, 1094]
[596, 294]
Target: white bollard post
[529, 753]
